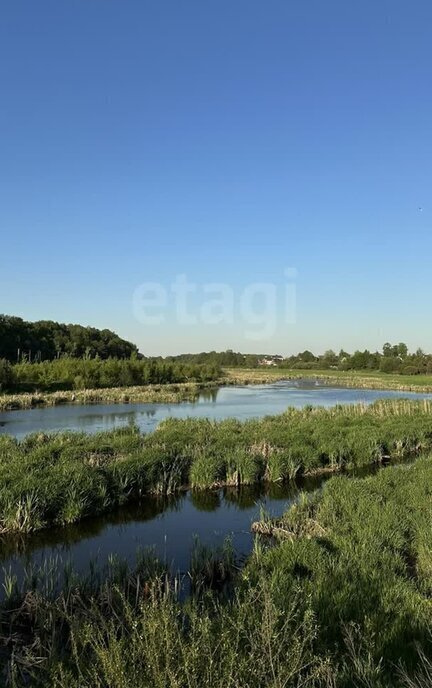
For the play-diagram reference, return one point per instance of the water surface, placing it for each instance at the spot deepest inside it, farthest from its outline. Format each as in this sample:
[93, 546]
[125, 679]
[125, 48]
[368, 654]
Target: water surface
[166, 525]
[240, 402]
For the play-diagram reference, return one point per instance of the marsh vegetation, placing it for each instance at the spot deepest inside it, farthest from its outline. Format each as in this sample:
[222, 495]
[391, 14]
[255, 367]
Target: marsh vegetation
[335, 594]
[344, 601]
[61, 478]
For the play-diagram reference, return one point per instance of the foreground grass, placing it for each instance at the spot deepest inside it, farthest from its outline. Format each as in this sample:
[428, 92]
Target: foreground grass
[361, 554]
[128, 628]
[362, 379]
[58, 479]
[344, 602]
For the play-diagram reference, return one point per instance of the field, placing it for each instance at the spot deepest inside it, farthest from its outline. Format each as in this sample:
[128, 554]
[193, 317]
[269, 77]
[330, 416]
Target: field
[59, 479]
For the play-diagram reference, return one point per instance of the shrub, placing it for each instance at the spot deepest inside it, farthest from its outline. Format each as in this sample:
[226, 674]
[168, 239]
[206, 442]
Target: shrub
[410, 370]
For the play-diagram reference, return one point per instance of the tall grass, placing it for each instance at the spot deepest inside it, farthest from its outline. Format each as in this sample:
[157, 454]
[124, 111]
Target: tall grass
[123, 628]
[343, 603]
[62, 478]
[360, 551]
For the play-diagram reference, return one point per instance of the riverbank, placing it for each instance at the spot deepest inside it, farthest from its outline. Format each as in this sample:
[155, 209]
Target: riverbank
[359, 551]
[147, 394]
[355, 379]
[343, 601]
[48, 480]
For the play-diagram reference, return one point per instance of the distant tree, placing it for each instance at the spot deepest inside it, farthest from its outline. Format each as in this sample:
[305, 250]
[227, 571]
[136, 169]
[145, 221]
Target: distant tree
[388, 350]
[402, 350]
[360, 360]
[306, 357]
[390, 364]
[329, 359]
[46, 340]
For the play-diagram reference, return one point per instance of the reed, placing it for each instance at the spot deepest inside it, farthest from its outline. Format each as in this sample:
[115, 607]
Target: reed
[167, 394]
[59, 479]
[132, 630]
[343, 601]
[359, 550]
[339, 597]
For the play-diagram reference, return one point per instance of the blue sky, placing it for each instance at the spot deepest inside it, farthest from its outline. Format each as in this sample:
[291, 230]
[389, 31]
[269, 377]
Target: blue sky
[225, 141]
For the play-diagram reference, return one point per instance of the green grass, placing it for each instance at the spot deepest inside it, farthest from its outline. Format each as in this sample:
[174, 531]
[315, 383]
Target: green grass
[343, 602]
[130, 630]
[58, 479]
[361, 554]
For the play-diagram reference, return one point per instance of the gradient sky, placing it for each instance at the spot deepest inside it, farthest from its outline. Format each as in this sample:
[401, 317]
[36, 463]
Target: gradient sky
[226, 141]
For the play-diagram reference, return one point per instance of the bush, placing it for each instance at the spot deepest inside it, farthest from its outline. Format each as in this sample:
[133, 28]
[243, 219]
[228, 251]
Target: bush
[410, 370]
[79, 373]
[390, 365]
[307, 365]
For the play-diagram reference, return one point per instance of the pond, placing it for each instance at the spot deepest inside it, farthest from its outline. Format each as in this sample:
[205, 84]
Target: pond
[166, 525]
[225, 402]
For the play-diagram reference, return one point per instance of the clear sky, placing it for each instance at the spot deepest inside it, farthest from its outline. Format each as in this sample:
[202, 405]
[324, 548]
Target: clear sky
[226, 141]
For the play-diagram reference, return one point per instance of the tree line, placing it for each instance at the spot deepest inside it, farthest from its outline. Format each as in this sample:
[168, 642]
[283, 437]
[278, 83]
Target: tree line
[225, 359]
[394, 358]
[46, 340]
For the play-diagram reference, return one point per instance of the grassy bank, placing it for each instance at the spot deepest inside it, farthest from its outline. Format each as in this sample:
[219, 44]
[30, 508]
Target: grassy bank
[344, 602]
[167, 394]
[360, 552]
[125, 629]
[360, 379]
[58, 479]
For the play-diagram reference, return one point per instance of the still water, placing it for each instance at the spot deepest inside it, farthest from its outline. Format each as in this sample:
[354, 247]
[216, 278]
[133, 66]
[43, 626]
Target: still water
[226, 402]
[169, 525]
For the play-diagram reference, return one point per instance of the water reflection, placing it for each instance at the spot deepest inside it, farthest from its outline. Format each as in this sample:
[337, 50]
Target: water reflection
[205, 500]
[68, 536]
[209, 394]
[167, 524]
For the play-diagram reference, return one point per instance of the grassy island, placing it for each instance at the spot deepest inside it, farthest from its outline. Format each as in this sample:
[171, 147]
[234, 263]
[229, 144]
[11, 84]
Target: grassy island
[61, 478]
